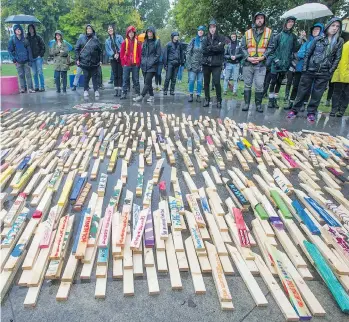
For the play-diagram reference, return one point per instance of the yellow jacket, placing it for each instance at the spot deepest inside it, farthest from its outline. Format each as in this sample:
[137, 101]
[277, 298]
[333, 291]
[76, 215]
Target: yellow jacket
[341, 74]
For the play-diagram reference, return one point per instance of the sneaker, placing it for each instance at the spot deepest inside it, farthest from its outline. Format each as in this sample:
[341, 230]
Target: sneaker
[31, 91]
[36, 89]
[85, 93]
[138, 98]
[42, 89]
[96, 94]
[311, 118]
[333, 113]
[291, 115]
[150, 99]
[73, 88]
[22, 91]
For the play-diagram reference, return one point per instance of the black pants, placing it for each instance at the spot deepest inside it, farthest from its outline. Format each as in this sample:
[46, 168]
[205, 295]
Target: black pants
[100, 77]
[267, 82]
[340, 97]
[158, 79]
[148, 83]
[314, 84]
[216, 77]
[117, 72]
[330, 91]
[127, 70]
[275, 83]
[171, 75]
[290, 76]
[88, 73]
[296, 79]
[58, 75]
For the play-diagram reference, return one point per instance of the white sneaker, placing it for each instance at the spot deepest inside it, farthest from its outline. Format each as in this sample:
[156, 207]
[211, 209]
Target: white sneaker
[85, 93]
[150, 99]
[138, 98]
[96, 94]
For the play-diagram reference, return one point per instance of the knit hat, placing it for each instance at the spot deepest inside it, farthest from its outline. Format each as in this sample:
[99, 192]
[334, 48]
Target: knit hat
[212, 22]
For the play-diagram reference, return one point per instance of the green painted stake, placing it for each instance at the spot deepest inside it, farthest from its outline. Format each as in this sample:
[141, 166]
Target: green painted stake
[261, 212]
[327, 275]
[281, 204]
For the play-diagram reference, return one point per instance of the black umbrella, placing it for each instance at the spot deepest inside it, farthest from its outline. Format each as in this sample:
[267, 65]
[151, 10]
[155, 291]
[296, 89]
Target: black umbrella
[25, 19]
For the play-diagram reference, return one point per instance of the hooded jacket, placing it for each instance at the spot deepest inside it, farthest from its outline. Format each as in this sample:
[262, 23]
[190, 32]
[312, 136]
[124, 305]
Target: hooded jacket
[88, 50]
[257, 35]
[36, 43]
[322, 57]
[213, 50]
[305, 46]
[151, 52]
[19, 49]
[195, 55]
[233, 49]
[131, 50]
[113, 45]
[341, 74]
[173, 52]
[60, 58]
[282, 48]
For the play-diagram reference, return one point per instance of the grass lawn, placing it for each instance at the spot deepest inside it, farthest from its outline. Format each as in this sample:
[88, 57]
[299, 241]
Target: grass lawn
[10, 70]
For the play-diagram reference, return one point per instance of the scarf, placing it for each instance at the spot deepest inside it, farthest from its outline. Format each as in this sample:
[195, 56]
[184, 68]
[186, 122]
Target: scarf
[134, 49]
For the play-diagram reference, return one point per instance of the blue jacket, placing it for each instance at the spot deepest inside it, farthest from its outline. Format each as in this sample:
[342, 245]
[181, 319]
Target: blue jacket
[19, 49]
[108, 45]
[305, 46]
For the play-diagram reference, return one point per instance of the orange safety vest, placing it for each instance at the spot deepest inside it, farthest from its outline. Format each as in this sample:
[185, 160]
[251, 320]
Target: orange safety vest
[252, 47]
[135, 44]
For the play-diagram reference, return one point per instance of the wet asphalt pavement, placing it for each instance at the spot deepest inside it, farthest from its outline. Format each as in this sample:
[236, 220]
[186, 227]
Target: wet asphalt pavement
[169, 305]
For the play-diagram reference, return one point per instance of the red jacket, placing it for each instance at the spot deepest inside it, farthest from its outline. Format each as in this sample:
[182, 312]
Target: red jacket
[130, 55]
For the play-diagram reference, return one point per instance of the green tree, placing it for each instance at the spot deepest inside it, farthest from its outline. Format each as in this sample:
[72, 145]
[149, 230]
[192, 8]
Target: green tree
[154, 13]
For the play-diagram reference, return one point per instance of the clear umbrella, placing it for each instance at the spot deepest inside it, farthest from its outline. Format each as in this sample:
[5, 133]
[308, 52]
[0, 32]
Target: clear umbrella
[308, 11]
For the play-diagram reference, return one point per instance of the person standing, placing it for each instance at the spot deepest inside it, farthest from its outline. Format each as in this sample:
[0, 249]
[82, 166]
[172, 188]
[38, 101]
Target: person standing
[173, 59]
[59, 51]
[88, 53]
[194, 64]
[130, 55]
[21, 54]
[255, 45]
[283, 47]
[37, 47]
[151, 52]
[320, 61]
[233, 56]
[340, 81]
[315, 31]
[113, 47]
[213, 56]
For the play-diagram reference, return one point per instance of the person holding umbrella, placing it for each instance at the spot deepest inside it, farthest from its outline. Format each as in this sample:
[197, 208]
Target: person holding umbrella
[320, 62]
[88, 53]
[59, 51]
[21, 54]
[37, 47]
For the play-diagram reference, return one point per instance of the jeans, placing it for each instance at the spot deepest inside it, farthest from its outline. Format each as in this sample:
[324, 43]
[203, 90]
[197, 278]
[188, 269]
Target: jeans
[180, 73]
[254, 74]
[126, 78]
[77, 76]
[58, 76]
[171, 75]
[216, 74]
[117, 72]
[340, 97]
[199, 78]
[231, 71]
[24, 75]
[309, 80]
[276, 80]
[88, 73]
[148, 83]
[38, 72]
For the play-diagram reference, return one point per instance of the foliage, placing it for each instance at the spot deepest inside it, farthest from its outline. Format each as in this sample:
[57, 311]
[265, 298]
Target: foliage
[154, 13]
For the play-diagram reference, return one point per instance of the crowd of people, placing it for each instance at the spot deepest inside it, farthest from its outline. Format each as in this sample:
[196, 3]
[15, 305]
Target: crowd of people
[263, 57]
